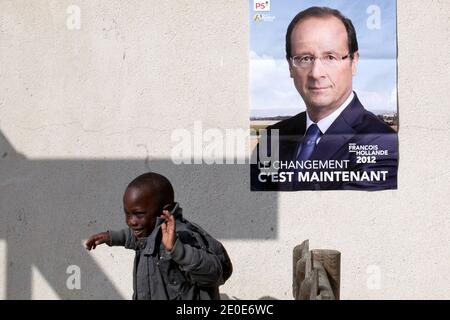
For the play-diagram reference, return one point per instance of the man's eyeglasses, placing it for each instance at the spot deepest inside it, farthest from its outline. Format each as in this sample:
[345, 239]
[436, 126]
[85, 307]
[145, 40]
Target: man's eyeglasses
[307, 61]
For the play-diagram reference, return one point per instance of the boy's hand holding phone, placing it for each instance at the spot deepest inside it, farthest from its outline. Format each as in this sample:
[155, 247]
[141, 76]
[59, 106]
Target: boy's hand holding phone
[168, 230]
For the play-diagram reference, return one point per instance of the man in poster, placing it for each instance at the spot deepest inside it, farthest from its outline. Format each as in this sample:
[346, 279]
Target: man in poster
[336, 143]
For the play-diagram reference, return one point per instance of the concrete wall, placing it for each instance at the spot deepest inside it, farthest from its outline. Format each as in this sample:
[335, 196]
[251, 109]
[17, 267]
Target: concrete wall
[83, 111]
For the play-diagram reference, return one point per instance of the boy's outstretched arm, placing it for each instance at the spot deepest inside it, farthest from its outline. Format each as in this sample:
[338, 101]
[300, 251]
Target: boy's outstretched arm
[203, 266]
[97, 239]
[112, 238]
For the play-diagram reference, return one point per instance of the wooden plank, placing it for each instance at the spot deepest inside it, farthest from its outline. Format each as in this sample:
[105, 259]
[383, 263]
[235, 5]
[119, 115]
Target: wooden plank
[325, 292]
[314, 289]
[331, 262]
[298, 275]
[308, 284]
[305, 289]
[316, 273]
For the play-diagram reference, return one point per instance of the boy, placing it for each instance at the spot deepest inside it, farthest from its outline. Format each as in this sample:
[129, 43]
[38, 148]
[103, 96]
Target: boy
[174, 259]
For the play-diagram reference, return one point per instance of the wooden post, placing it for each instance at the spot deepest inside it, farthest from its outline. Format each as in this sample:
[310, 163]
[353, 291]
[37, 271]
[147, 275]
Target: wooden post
[298, 268]
[314, 285]
[299, 277]
[316, 273]
[331, 262]
[308, 286]
[325, 292]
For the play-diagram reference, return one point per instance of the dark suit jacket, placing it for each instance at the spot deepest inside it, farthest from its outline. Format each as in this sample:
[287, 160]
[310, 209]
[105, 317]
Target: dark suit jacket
[355, 125]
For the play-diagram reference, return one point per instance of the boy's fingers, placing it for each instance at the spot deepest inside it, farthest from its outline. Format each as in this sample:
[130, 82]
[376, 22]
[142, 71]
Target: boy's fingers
[94, 241]
[91, 240]
[171, 219]
[166, 214]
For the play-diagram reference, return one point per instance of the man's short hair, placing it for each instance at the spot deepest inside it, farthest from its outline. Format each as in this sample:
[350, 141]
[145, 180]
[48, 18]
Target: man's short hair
[322, 12]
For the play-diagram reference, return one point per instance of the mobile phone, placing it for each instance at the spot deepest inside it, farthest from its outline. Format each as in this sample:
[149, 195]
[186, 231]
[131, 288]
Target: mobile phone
[172, 208]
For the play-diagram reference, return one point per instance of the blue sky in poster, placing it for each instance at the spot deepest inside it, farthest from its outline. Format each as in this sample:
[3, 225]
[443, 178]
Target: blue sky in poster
[272, 90]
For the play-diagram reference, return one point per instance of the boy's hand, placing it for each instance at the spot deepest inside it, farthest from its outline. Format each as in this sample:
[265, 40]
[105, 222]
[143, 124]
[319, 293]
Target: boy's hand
[168, 230]
[96, 239]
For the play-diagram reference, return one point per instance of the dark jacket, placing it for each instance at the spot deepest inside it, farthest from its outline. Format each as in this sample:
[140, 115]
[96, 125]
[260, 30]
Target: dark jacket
[188, 272]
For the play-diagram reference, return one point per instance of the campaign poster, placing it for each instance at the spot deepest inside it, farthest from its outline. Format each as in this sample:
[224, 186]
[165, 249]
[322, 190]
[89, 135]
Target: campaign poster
[323, 95]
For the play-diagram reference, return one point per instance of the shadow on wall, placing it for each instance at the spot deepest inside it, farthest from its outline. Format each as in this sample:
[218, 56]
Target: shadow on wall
[49, 206]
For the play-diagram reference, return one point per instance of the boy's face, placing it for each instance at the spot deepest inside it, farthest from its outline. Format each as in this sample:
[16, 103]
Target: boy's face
[141, 211]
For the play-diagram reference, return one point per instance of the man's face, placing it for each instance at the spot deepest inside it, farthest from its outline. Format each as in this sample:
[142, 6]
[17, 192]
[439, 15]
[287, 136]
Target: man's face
[141, 211]
[323, 88]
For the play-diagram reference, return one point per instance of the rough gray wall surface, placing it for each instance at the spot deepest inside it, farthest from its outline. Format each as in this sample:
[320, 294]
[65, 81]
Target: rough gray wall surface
[83, 111]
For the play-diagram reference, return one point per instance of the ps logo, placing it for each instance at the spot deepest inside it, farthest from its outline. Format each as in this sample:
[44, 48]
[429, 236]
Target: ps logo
[261, 5]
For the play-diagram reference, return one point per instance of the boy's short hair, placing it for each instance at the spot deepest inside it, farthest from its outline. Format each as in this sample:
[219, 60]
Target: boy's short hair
[157, 185]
